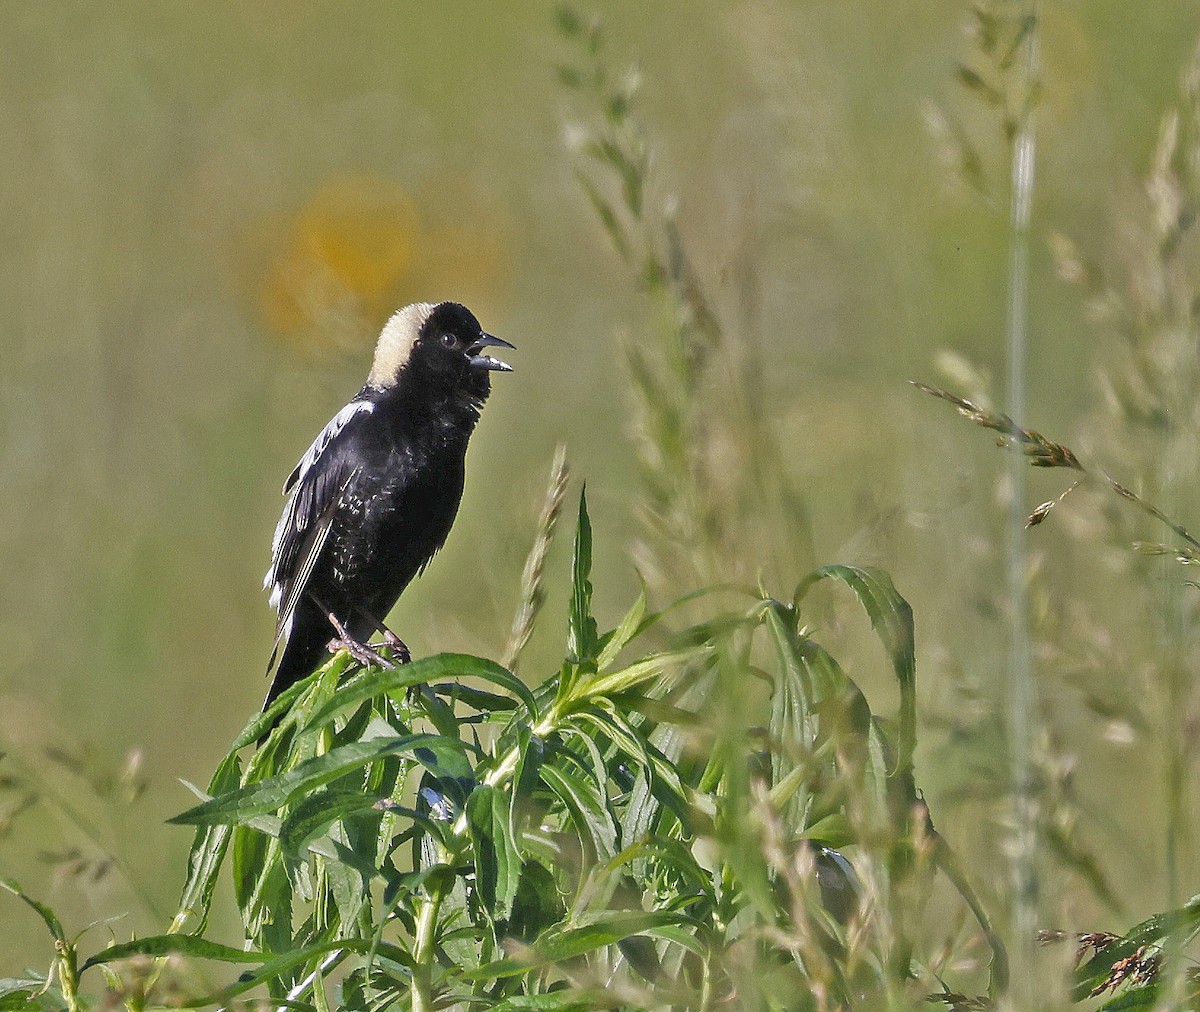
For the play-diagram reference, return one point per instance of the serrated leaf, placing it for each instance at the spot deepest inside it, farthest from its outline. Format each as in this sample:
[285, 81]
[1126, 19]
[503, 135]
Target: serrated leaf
[276, 968]
[526, 777]
[477, 699]
[497, 861]
[316, 813]
[558, 946]
[582, 638]
[8, 985]
[586, 805]
[667, 665]
[273, 793]
[615, 641]
[892, 619]
[426, 669]
[174, 945]
[554, 1001]
[208, 849]
[23, 1000]
[49, 918]
[793, 715]
[274, 720]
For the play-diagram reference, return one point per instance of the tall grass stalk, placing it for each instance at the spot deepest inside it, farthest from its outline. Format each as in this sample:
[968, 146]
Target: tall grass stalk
[1021, 710]
[533, 595]
[715, 483]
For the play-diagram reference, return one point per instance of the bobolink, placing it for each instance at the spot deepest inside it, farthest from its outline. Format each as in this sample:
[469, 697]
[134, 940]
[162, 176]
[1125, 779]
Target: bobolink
[374, 497]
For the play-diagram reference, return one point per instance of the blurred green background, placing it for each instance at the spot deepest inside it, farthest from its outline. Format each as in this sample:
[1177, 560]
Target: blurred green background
[210, 209]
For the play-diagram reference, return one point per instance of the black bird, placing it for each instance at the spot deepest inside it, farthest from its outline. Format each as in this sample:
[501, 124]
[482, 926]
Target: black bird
[374, 497]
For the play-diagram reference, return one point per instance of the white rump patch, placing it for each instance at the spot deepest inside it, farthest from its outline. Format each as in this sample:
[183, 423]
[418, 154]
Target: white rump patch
[396, 343]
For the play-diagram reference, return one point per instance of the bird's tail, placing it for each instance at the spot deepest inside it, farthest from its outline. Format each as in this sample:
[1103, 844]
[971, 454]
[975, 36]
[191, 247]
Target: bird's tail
[303, 650]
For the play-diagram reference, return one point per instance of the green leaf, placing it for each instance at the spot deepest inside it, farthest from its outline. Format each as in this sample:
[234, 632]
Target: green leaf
[419, 672]
[586, 804]
[477, 699]
[793, 715]
[497, 860]
[816, 712]
[320, 999]
[276, 719]
[615, 641]
[526, 779]
[273, 793]
[582, 639]
[316, 813]
[666, 665]
[44, 912]
[277, 968]
[1180, 925]
[556, 946]
[833, 830]
[892, 619]
[173, 945]
[554, 1001]
[36, 1000]
[1137, 999]
[9, 985]
[609, 722]
[208, 849]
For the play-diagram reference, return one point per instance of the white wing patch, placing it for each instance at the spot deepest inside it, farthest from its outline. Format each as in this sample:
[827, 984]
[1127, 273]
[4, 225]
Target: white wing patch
[272, 580]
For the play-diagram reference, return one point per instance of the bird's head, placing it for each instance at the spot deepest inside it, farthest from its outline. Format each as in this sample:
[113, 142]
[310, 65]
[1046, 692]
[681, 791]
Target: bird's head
[440, 345]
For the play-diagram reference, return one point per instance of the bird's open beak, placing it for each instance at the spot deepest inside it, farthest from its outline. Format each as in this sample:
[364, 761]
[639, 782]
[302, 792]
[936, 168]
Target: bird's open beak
[486, 361]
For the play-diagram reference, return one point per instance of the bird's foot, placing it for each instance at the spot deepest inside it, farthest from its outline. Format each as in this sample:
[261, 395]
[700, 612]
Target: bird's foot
[397, 646]
[364, 653]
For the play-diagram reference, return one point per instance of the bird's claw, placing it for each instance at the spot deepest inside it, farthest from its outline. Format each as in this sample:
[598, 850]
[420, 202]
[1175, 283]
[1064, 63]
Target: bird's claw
[365, 654]
[397, 646]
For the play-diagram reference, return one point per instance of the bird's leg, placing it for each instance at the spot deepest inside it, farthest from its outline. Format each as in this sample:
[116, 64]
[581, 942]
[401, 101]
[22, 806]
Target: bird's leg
[400, 649]
[364, 653]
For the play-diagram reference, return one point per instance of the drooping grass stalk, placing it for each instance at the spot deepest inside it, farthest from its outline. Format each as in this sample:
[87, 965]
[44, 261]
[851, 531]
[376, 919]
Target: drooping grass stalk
[1020, 656]
[75, 816]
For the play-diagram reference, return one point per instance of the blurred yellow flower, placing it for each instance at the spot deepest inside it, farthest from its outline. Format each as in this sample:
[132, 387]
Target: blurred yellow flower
[357, 248]
[344, 252]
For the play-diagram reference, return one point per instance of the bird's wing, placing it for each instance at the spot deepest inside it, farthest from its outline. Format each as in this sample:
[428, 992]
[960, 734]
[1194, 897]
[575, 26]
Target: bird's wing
[313, 495]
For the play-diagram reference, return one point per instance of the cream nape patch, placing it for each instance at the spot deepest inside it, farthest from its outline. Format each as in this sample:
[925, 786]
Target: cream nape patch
[396, 342]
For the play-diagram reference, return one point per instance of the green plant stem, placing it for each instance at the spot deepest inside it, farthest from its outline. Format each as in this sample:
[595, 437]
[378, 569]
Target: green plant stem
[423, 948]
[68, 974]
[423, 945]
[507, 765]
[706, 985]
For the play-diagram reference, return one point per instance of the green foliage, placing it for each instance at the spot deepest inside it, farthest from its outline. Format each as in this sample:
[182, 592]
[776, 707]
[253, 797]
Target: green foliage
[441, 834]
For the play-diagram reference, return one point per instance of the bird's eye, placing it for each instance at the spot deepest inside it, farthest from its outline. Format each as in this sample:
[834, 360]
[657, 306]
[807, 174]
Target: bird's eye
[449, 340]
